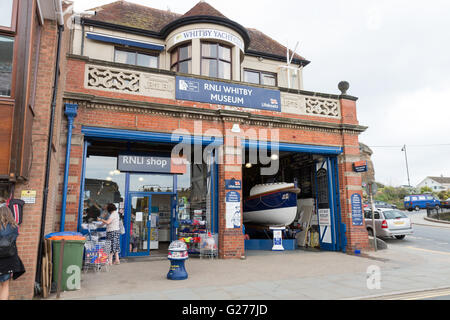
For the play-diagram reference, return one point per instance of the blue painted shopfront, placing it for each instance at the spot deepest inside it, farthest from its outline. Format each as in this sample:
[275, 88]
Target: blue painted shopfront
[332, 235]
[331, 231]
[96, 134]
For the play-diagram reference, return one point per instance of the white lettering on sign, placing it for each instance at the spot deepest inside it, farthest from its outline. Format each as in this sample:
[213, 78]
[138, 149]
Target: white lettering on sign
[157, 162]
[209, 34]
[141, 160]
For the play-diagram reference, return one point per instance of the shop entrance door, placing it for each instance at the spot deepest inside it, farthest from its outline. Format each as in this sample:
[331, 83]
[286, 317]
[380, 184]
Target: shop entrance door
[140, 223]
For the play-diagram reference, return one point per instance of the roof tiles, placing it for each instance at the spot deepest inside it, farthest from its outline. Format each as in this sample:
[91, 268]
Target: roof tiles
[150, 19]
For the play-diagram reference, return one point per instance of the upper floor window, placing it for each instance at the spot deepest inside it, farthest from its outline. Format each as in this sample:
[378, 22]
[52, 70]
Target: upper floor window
[216, 60]
[136, 58]
[6, 14]
[260, 77]
[181, 59]
[6, 64]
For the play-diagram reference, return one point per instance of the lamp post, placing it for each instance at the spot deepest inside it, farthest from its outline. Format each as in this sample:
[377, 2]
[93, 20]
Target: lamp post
[406, 159]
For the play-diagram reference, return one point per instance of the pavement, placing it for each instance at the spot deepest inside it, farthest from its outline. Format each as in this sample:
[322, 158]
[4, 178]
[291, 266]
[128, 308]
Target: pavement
[272, 275]
[420, 218]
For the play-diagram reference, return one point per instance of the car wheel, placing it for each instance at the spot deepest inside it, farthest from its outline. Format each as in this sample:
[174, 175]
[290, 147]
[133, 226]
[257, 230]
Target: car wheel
[437, 207]
[370, 232]
[400, 237]
[410, 209]
[416, 208]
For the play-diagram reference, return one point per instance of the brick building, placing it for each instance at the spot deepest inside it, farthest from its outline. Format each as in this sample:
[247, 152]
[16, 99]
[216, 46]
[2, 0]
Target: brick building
[142, 88]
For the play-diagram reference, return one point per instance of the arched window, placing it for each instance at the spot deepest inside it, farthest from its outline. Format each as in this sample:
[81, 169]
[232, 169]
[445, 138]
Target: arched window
[216, 60]
[181, 59]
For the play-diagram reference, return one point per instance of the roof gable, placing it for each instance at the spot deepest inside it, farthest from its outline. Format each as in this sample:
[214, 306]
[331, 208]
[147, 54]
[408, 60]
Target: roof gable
[203, 9]
[441, 180]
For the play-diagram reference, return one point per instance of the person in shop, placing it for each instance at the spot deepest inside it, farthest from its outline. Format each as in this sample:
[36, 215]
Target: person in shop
[112, 233]
[133, 237]
[11, 267]
[92, 211]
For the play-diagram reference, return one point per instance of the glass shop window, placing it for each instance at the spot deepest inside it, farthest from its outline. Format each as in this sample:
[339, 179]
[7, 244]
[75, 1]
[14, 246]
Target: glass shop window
[151, 182]
[6, 64]
[103, 184]
[6, 13]
[195, 215]
[136, 58]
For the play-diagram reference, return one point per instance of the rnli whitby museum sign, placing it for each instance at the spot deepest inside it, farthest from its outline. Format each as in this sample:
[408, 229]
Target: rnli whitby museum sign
[227, 94]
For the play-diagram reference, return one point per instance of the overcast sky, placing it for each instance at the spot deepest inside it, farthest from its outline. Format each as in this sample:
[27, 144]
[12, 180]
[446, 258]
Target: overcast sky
[395, 54]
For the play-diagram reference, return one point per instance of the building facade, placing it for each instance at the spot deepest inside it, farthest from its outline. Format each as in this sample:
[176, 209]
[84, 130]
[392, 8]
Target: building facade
[135, 82]
[437, 184]
[175, 118]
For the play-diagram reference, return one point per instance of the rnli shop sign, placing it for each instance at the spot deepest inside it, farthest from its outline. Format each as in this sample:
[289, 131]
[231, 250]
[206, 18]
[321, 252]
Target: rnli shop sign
[227, 94]
[154, 164]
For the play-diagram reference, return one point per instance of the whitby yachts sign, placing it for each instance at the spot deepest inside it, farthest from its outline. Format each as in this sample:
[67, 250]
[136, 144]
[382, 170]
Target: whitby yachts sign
[227, 94]
[209, 34]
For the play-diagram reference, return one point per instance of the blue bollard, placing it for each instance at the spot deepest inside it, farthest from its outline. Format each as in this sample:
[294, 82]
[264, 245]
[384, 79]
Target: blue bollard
[177, 256]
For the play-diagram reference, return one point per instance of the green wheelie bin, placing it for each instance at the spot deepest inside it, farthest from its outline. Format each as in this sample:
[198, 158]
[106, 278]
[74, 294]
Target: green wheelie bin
[72, 260]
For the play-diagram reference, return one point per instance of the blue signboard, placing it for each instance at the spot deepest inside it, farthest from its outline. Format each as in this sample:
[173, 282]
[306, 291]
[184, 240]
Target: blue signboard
[232, 184]
[229, 94]
[360, 166]
[357, 211]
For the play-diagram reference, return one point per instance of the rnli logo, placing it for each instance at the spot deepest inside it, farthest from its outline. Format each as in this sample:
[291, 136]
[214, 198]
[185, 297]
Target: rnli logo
[190, 86]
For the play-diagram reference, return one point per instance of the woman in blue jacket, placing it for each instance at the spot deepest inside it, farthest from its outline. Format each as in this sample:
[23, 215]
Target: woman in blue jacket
[11, 267]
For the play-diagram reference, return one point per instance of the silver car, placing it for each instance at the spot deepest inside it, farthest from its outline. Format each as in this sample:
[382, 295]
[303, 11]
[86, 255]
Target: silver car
[388, 223]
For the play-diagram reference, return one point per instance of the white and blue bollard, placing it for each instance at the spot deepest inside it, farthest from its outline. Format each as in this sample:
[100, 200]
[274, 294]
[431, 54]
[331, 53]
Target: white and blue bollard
[178, 254]
[277, 238]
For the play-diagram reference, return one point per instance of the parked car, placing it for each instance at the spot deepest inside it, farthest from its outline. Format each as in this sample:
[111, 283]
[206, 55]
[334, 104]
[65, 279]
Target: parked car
[421, 201]
[388, 223]
[445, 204]
[382, 204]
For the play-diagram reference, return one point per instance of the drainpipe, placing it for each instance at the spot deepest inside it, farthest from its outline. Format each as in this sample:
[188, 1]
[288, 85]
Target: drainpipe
[71, 113]
[48, 161]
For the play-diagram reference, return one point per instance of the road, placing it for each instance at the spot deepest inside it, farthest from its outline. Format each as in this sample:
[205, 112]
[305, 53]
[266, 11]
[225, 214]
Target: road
[431, 239]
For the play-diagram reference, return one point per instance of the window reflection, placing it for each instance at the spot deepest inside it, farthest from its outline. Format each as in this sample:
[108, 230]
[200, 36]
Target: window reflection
[181, 59]
[103, 184]
[6, 64]
[6, 8]
[151, 182]
[216, 60]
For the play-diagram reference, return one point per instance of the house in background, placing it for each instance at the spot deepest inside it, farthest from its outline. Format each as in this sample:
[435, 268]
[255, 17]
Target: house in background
[436, 184]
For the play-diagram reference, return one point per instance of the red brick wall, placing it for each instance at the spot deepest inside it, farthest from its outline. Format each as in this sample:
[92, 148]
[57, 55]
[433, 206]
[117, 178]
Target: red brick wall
[30, 229]
[29, 232]
[350, 181]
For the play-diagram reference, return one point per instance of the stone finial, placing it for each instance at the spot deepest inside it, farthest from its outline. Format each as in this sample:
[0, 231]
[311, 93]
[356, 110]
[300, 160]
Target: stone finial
[343, 86]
